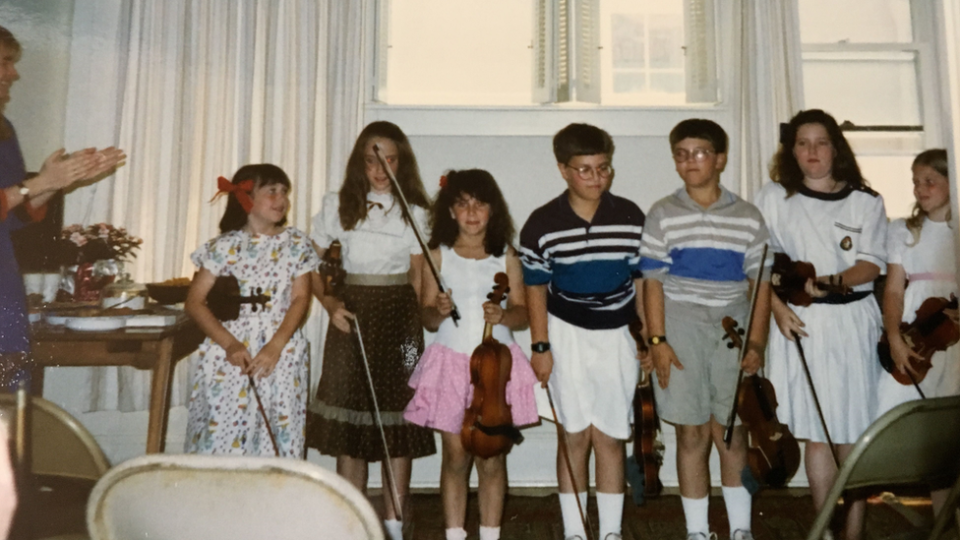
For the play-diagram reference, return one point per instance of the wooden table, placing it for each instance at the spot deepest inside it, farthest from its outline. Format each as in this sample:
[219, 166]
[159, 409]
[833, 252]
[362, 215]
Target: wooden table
[157, 349]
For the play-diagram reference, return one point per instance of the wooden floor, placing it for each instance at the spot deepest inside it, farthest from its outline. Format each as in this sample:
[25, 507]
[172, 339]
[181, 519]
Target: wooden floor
[776, 516]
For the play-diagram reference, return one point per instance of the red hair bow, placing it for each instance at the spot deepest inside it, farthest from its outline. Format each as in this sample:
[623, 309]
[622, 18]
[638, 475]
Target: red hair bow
[443, 181]
[241, 191]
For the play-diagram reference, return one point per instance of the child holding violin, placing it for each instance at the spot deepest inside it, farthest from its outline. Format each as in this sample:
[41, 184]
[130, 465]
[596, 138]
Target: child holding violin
[581, 265]
[921, 266]
[265, 341]
[470, 243]
[701, 251]
[382, 259]
[820, 210]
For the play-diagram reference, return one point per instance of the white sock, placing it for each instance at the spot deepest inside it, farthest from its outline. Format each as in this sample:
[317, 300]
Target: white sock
[695, 511]
[739, 505]
[394, 528]
[488, 533]
[610, 510]
[572, 525]
[458, 534]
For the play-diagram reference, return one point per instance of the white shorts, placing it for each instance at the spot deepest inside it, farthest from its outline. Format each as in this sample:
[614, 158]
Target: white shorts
[595, 374]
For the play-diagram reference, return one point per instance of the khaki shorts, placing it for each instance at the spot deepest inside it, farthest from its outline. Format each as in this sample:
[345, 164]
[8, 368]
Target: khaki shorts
[706, 385]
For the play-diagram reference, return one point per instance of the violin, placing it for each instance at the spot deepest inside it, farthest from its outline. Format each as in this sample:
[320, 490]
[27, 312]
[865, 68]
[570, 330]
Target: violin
[931, 331]
[488, 428]
[648, 447]
[773, 454]
[331, 269]
[788, 279]
[224, 299]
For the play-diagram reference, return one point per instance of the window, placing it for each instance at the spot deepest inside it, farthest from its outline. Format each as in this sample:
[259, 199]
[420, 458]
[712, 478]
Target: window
[524, 52]
[867, 63]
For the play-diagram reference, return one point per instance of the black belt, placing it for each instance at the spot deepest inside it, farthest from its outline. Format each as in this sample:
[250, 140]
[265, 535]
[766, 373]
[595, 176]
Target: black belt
[836, 299]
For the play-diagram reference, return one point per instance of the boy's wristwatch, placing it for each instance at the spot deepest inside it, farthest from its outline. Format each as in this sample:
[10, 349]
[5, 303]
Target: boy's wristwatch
[540, 347]
[656, 340]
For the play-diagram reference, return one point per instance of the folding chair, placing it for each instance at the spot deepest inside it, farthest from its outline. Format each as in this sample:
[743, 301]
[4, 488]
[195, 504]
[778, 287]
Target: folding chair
[916, 442]
[186, 497]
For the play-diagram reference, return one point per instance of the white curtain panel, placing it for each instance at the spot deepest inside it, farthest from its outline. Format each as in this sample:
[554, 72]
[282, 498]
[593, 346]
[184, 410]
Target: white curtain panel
[192, 90]
[948, 54]
[771, 88]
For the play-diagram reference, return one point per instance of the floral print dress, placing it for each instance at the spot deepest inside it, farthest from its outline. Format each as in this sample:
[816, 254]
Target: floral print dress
[224, 417]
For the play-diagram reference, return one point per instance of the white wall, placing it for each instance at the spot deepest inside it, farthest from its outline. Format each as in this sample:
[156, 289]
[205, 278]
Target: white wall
[39, 100]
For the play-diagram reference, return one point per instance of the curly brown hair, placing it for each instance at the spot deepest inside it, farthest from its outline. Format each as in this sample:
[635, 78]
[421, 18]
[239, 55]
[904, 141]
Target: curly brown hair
[480, 185]
[353, 193]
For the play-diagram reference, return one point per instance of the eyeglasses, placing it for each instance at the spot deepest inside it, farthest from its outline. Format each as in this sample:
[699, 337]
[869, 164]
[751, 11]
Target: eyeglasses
[586, 171]
[681, 155]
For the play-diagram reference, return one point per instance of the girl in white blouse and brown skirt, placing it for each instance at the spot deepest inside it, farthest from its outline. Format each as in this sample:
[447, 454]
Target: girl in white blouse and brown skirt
[383, 260]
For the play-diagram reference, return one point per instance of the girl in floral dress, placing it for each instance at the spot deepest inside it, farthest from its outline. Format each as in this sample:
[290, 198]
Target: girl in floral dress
[269, 258]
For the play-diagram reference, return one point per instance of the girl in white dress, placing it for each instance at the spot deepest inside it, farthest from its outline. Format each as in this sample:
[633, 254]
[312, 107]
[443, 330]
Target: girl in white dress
[819, 210]
[472, 230]
[266, 257]
[383, 260]
[921, 265]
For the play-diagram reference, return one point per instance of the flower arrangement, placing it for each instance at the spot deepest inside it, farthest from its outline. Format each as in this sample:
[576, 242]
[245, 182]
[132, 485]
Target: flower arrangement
[97, 242]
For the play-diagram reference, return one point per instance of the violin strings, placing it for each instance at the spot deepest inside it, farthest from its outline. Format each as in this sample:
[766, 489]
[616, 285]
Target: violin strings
[383, 434]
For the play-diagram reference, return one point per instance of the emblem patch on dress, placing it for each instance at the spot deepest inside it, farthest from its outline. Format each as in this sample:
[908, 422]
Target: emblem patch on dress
[846, 243]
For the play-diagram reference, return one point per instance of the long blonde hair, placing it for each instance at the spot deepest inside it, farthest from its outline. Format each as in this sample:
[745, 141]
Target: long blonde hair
[7, 43]
[936, 159]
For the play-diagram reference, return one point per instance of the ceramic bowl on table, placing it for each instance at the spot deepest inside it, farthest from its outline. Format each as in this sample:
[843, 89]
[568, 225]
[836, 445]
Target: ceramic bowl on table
[166, 294]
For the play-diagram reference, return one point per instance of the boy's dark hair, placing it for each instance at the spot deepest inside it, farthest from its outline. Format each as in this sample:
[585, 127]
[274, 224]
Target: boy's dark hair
[353, 192]
[581, 140]
[786, 171]
[480, 185]
[263, 174]
[700, 128]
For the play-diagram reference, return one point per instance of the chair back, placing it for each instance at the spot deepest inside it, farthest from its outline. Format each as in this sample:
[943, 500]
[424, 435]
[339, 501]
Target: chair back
[184, 497]
[58, 444]
[913, 443]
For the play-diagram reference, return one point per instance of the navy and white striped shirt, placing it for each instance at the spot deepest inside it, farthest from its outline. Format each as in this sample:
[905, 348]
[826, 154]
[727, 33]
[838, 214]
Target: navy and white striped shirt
[588, 267]
[704, 255]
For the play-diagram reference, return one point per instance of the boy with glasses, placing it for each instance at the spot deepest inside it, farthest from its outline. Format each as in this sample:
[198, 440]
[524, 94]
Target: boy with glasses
[701, 252]
[581, 266]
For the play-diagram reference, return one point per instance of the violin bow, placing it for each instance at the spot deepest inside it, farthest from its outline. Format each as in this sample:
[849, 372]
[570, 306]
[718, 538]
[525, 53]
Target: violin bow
[728, 433]
[263, 413]
[455, 315]
[383, 435]
[564, 449]
[816, 400]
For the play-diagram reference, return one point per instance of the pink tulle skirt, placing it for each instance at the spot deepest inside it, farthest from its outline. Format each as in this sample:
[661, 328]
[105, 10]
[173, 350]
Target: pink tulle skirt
[442, 389]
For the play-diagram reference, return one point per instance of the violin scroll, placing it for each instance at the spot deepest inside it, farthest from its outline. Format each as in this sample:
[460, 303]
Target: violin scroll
[224, 299]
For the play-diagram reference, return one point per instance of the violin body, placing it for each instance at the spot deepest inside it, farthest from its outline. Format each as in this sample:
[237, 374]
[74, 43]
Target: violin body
[788, 279]
[224, 299]
[488, 428]
[773, 453]
[932, 330]
[648, 447]
[331, 269]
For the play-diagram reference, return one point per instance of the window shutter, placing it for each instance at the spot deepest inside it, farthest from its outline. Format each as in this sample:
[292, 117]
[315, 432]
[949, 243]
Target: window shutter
[701, 45]
[587, 51]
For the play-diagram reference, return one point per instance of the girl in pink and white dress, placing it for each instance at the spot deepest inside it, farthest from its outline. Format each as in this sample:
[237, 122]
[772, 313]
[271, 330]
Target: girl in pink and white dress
[470, 243]
[921, 265]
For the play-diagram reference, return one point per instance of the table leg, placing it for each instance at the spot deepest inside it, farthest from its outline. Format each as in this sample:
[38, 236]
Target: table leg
[160, 397]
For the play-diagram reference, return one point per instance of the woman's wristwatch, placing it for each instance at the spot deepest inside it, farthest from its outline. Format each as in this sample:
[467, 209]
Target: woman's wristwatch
[656, 340]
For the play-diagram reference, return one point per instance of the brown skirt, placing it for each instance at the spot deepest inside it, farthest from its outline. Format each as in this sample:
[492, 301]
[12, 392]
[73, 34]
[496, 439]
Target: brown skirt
[341, 421]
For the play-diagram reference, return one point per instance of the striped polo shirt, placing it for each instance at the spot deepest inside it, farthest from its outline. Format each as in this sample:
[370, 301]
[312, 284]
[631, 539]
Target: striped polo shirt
[704, 256]
[588, 267]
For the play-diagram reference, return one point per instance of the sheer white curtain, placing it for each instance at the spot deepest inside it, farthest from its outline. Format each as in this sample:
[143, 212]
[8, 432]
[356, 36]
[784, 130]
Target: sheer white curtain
[194, 89]
[771, 86]
[948, 53]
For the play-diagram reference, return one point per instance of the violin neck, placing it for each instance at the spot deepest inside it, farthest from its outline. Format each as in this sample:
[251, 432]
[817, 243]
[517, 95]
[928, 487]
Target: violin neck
[487, 331]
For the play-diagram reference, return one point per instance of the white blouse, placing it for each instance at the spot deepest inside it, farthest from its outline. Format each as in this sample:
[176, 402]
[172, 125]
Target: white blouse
[380, 244]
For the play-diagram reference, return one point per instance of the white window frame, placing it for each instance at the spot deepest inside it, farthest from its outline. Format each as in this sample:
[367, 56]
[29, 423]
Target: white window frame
[547, 119]
[922, 21]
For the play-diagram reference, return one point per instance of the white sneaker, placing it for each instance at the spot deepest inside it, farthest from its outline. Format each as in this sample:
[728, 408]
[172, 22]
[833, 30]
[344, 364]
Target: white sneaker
[701, 536]
[741, 534]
